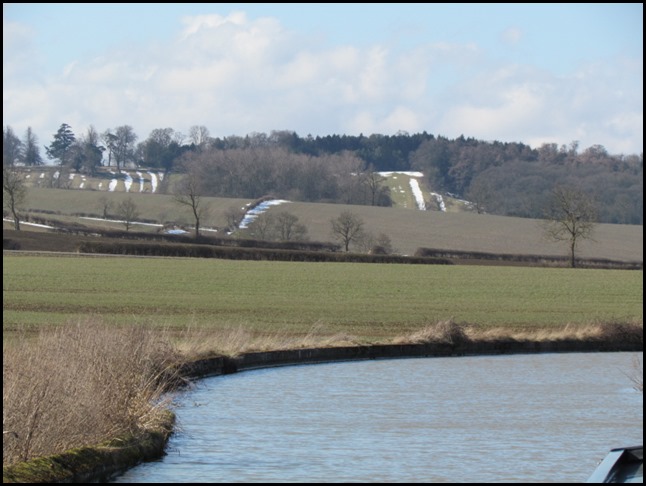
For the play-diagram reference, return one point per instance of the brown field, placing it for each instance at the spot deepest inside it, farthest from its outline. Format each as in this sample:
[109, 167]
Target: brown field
[408, 229]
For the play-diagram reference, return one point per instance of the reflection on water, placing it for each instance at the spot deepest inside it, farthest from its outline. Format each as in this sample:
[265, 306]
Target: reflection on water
[523, 418]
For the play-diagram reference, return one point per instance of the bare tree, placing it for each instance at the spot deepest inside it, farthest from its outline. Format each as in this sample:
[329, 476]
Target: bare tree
[347, 228]
[263, 227]
[480, 194]
[234, 216]
[374, 182]
[571, 217]
[199, 136]
[110, 140]
[188, 193]
[14, 193]
[105, 205]
[123, 146]
[288, 228]
[127, 211]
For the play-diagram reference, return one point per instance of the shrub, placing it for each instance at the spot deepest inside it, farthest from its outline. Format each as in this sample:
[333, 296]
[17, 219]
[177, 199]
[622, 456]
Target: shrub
[80, 385]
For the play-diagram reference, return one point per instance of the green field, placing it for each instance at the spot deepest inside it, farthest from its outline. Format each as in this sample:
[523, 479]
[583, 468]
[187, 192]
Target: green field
[369, 301]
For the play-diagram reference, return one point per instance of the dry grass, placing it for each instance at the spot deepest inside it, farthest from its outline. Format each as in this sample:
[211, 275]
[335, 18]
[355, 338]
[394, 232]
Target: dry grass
[79, 385]
[459, 333]
[196, 342]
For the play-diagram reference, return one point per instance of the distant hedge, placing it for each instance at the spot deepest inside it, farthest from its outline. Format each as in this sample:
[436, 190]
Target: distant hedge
[535, 260]
[242, 253]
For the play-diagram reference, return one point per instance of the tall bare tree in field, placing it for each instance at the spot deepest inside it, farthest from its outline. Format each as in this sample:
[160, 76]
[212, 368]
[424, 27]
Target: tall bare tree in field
[14, 193]
[571, 217]
[188, 192]
[347, 228]
[128, 212]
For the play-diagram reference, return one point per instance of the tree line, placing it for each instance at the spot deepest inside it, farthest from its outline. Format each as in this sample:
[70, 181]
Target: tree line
[496, 177]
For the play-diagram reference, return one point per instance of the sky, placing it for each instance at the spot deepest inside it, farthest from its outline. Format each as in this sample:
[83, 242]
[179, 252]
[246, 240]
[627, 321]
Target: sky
[530, 73]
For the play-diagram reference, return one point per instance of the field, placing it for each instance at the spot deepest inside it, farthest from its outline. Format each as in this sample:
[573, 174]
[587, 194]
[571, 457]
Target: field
[369, 302]
[408, 229]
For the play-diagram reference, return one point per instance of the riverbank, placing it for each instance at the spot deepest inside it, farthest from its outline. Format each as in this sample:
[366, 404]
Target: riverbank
[92, 464]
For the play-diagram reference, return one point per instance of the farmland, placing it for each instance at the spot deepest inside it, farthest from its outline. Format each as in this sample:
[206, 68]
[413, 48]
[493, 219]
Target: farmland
[372, 302]
[69, 317]
[407, 228]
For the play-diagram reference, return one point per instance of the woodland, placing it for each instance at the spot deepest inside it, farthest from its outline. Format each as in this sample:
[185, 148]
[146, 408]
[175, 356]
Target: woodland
[503, 178]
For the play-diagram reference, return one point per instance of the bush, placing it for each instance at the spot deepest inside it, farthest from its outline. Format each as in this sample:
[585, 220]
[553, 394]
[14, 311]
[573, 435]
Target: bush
[80, 385]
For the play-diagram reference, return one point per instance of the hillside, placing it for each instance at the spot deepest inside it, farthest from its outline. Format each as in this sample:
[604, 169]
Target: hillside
[408, 228]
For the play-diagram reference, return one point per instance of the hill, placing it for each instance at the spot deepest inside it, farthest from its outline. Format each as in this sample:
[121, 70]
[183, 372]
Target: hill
[408, 228]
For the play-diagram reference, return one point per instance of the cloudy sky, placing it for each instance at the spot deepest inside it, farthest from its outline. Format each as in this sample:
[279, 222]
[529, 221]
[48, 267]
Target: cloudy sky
[530, 73]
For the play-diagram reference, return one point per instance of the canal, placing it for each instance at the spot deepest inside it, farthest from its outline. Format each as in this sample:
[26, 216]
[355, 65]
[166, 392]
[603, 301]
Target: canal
[513, 418]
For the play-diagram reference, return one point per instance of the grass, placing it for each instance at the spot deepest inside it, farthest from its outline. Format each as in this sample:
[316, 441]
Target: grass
[368, 301]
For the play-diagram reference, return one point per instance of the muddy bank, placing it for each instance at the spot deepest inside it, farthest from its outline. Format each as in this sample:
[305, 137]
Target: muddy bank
[222, 365]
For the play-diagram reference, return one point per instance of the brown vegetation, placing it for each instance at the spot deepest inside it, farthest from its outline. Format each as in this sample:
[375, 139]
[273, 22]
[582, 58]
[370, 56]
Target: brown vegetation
[88, 384]
[81, 385]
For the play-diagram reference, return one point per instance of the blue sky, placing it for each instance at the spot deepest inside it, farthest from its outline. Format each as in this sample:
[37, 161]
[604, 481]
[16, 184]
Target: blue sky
[531, 73]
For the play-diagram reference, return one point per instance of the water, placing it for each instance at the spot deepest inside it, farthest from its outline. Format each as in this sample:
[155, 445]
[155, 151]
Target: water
[523, 418]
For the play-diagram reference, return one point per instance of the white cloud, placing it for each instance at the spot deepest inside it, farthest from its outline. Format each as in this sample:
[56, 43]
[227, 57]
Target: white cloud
[512, 35]
[238, 75]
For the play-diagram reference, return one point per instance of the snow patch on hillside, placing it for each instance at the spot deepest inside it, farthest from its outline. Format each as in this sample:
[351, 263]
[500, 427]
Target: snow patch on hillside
[417, 192]
[141, 181]
[258, 210]
[440, 201]
[153, 180]
[408, 173]
[128, 181]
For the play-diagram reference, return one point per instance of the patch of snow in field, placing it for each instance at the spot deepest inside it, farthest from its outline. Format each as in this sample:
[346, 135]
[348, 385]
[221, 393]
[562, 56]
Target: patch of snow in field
[30, 224]
[417, 192]
[157, 225]
[161, 176]
[258, 210]
[113, 185]
[57, 174]
[153, 181]
[42, 175]
[440, 200]
[72, 176]
[27, 176]
[128, 181]
[100, 185]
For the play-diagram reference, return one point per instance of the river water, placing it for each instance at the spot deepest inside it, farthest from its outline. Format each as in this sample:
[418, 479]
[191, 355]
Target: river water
[520, 418]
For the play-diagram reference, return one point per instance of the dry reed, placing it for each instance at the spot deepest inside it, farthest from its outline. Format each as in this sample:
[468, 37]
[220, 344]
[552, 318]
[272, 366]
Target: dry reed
[619, 333]
[196, 342]
[79, 385]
